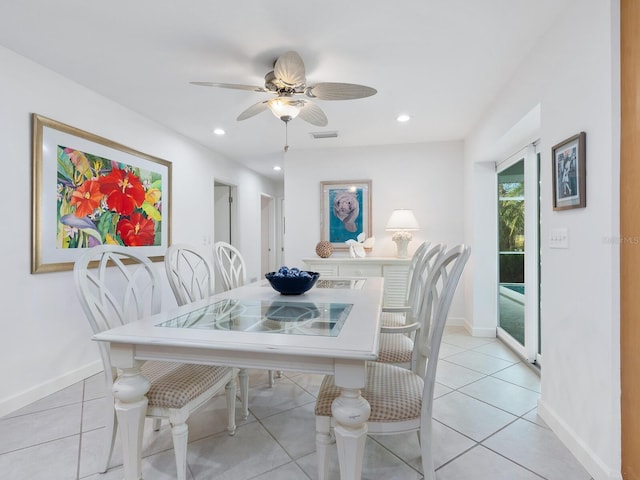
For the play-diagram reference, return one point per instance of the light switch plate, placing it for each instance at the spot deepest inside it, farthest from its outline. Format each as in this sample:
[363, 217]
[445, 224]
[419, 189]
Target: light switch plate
[559, 238]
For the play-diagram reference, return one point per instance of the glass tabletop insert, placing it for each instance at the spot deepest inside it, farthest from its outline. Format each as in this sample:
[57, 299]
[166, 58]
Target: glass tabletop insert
[341, 283]
[296, 318]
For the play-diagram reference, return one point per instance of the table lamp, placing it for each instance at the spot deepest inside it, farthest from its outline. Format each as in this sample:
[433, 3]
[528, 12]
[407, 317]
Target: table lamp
[403, 222]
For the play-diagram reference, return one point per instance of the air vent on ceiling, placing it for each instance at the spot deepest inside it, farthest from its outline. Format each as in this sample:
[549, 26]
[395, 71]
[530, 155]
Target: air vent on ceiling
[318, 135]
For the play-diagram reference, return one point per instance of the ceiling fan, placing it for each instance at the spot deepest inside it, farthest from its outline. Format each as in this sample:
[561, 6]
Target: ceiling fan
[288, 82]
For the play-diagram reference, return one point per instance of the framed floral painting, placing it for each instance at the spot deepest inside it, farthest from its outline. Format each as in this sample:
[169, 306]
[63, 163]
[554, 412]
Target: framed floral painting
[88, 191]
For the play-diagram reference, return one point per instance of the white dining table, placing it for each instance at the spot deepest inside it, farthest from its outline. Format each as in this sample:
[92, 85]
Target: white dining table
[331, 329]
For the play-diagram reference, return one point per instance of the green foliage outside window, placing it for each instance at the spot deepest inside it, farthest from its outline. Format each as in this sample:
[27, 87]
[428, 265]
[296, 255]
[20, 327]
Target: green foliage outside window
[511, 231]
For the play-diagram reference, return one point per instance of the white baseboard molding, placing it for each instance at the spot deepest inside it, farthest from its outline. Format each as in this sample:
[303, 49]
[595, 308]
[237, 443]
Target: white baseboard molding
[589, 460]
[456, 322]
[485, 332]
[473, 331]
[22, 399]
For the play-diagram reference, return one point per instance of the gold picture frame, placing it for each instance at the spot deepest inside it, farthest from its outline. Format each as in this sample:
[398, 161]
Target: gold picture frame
[88, 190]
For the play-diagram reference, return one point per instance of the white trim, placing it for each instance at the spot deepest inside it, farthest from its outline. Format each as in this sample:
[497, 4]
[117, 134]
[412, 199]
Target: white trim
[456, 322]
[40, 391]
[484, 332]
[532, 255]
[532, 248]
[595, 466]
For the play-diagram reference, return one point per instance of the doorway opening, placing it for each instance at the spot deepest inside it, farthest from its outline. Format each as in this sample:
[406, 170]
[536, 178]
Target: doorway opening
[267, 234]
[224, 215]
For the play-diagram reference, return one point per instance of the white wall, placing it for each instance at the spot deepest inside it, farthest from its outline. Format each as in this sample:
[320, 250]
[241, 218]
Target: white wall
[426, 178]
[572, 74]
[45, 343]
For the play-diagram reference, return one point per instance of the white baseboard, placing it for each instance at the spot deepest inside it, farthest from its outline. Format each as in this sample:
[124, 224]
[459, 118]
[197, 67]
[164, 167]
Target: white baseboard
[485, 332]
[473, 331]
[456, 322]
[589, 460]
[22, 399]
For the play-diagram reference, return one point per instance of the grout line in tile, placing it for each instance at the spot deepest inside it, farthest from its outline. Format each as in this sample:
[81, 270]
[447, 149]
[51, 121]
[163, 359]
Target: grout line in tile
[490, 404]
[293, 380]
[280, 466]
[512, 383]
[40, 443]
[459, 455]
[514, 462]
[371, 439]
[12, 415]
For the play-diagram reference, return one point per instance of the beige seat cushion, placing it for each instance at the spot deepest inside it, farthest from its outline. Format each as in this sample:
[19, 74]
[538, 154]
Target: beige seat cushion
[394, 393]
[173, 385]
[395, 348]
[392, 319]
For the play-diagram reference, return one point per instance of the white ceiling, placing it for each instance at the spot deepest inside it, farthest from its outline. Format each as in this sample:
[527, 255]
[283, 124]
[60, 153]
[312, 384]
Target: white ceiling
[440, 61]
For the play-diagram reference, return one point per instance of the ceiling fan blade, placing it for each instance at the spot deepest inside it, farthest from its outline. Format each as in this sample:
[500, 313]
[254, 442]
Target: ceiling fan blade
[230, 85]
[289, 69]
[339, 91]
[310, 112]
[254, 109]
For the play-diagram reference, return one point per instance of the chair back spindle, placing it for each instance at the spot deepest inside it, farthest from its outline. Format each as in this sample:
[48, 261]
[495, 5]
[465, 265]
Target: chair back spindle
[190, 273]
[230, 265]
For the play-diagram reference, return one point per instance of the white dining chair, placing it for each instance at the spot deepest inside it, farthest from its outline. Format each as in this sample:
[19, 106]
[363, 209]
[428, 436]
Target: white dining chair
[115, 286]
[397, 341]
[191, 277]
[230, 265]
[396, 316]
[401, 399]
[232, 270]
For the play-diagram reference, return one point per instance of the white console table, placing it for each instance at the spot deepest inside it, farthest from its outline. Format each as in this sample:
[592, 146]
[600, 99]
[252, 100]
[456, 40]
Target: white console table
[394, 270]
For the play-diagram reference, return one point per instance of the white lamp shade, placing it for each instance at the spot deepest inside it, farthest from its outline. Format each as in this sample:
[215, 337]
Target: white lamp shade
[402, 220]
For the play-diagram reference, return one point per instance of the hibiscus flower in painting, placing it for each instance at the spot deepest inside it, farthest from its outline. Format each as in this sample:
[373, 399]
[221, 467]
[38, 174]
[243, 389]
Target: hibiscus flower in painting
[136, 231]
[86, 198]
[124, 191]
[101, 201]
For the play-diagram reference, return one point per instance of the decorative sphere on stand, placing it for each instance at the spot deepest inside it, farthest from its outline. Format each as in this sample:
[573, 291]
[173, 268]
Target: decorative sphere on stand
[324, 249]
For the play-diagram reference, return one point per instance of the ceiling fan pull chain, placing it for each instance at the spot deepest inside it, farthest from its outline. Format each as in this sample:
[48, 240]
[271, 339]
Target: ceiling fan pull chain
[286, 136]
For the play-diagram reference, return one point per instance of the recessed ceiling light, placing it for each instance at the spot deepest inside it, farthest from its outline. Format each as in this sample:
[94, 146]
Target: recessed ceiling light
[277, 168]
[403, 118]
[219, 131]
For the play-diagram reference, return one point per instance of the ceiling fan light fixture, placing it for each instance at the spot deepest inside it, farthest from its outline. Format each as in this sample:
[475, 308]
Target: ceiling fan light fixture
[288, 81]
[283, 109]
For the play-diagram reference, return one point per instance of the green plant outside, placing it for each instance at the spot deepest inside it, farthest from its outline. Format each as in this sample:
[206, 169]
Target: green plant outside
[511, 231]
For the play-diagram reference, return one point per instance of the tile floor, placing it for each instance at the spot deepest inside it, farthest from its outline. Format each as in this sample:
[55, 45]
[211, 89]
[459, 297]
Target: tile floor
[486, 428]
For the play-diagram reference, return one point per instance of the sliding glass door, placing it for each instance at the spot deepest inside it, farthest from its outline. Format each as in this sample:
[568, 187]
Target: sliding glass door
[518, 253]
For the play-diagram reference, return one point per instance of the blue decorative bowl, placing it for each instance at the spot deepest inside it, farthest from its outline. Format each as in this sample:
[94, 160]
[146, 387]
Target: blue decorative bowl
[292, 285]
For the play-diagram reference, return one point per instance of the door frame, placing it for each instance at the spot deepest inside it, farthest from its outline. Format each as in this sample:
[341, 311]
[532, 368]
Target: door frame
[529, 351]
[224, 229]
[629, 228]
[268, 232]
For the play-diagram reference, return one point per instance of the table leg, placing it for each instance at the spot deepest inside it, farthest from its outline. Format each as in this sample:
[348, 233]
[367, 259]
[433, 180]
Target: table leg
[131, 407]
[351, 413]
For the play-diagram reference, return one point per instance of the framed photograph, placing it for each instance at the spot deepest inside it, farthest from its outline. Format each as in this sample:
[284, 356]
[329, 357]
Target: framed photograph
[87, 191]
[569, 173]
[345, 211]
